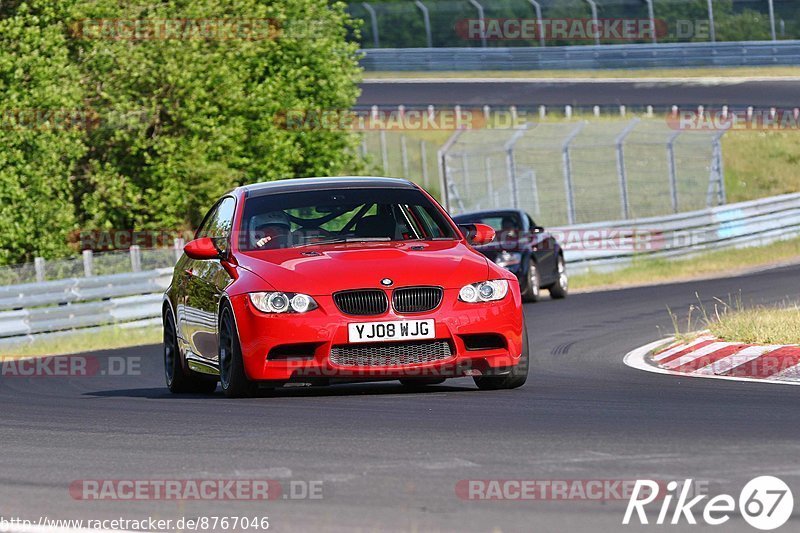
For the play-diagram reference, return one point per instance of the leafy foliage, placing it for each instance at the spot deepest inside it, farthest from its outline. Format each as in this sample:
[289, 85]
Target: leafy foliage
[176, 120]
[38, 84]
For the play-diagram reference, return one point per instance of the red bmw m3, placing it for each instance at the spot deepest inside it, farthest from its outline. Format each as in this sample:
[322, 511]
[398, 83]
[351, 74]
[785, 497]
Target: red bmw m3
[324, 280]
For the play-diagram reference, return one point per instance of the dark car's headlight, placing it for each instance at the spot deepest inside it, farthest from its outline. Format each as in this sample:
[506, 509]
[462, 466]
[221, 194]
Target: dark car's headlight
[507, 259]
[282, 302]
[485, 291]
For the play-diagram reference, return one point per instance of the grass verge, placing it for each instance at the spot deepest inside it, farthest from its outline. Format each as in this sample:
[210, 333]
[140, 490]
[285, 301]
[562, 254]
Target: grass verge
[760, 164]
[646, 271]
[730, 72]
[759, 325]
[79, 342]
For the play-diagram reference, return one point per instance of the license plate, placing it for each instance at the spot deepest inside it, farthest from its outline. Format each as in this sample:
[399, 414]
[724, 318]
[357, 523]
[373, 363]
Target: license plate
[391, 331]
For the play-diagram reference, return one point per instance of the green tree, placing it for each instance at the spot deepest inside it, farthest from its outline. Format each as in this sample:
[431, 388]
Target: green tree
[173, 121]
[41, 132]
[183, 120]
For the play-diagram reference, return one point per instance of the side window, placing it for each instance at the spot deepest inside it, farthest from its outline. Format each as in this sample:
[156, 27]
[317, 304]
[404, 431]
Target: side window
[432, 229]
[218, 222]
[531, 223]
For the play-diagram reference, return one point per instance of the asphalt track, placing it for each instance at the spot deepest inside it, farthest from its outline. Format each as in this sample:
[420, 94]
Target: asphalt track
[390, 459]
[740, 93]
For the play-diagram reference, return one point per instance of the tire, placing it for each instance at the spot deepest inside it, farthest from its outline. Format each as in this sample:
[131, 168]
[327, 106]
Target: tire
[417, 383]
[533, 289]
[560, 288]
[232, 376]
[515, 378]
[180, 380]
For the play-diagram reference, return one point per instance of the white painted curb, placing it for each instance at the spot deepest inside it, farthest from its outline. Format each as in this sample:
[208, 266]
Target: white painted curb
[638, 359]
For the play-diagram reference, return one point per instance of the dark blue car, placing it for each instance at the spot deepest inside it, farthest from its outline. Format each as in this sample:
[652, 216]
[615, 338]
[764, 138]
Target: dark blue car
[525, 249]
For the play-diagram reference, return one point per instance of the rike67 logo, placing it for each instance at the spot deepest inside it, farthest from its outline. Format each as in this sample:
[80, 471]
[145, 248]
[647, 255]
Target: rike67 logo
[766, 503]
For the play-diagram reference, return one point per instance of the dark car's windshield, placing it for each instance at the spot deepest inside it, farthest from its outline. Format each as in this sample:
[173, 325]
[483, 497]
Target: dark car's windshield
[287, 220]
[507, 222]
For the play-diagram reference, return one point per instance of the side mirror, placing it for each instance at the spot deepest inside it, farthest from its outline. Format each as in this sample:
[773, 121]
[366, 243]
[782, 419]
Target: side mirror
[202, 248]
[478, 234]
[538, 229]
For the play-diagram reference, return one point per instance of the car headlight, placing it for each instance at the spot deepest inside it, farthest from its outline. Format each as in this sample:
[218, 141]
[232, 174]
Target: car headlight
[485, 291]
[507, 259]
[282, 302]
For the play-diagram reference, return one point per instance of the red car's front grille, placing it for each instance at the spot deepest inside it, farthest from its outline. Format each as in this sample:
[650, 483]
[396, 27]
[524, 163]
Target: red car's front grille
[395, 354]
[362, 302]
[416, 299]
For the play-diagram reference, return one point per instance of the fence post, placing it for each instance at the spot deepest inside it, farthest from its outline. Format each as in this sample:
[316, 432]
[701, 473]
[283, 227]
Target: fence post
[482, 19]
[441, 157]
[374, 18]
[623, 178]
[712, 30]
[88, 270]
[363, 146]
[426, 18]
[511, 167]
[38, 266]
[772, 20]
[539, 23]
[673, 177]
[537, 210]
[593, 5]
[178, 245]
[716, 178]
[567, 168]
[652, 16]
[423, 156]
[136, 258]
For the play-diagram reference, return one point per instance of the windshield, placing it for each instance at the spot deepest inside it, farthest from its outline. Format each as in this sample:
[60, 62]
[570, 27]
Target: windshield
[307, 218]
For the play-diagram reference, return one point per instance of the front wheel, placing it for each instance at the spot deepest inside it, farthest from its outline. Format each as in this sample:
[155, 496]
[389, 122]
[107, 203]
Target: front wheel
[560, 288]
[533, 290]
[232, 376]
[178, 379]
[516, 377]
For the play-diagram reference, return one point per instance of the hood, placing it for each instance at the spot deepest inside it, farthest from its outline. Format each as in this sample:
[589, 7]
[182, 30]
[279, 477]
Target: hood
[322, 270]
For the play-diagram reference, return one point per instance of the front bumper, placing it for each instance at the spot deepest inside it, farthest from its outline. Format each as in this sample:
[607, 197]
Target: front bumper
[483, 338]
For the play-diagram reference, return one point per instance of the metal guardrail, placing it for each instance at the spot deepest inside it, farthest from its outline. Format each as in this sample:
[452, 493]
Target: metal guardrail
[53, 308]
[481, 23]
[608, 246]
[609, 56]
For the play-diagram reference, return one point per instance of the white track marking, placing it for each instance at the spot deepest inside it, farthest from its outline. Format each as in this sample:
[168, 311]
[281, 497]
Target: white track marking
[679, 348]
[697, 354]
[743, 356]
[790, 374]
[638, 359]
